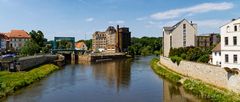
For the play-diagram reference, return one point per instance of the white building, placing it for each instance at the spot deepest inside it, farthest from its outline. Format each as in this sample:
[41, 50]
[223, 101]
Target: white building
[216, 55]
[230, 44]
[3, 42]
[182, 34]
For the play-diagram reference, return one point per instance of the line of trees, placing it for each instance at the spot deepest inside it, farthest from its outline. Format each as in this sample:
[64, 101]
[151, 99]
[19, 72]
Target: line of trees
[145, 46]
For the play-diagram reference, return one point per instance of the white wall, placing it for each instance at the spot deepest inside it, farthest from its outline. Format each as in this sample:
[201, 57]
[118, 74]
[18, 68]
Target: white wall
[216, 58]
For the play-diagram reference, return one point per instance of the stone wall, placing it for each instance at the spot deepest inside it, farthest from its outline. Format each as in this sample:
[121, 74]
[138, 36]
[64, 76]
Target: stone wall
[26, 63]
[214, 75]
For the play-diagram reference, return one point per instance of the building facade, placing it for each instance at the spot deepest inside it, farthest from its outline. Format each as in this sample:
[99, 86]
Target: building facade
[208, 40]
[230, 44]
[216, 55]
[182, 34]
[81, 46]
[123, 39]
[112, 40]
[17, 38]
[3, 42]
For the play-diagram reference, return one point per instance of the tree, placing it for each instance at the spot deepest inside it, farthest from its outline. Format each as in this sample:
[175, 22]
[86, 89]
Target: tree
[30, 48]
[38, 38]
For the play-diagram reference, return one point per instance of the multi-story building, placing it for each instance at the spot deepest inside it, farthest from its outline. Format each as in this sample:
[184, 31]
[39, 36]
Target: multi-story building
[181, 34]
[230, 44]
[207, 40]
[17, 38]
[123, 39]
[112, 40]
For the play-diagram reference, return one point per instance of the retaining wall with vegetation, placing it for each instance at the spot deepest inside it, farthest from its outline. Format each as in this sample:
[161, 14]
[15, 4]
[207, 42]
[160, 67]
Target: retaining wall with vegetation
[26, 63]
[213, 75]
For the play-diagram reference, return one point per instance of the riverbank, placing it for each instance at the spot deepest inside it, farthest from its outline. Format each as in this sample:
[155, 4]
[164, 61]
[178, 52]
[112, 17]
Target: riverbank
[10, 82]
[196, 87]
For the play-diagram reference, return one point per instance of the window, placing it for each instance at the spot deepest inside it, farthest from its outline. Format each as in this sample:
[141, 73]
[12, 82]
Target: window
[170, 41]
[215, 53]
[235, 28]
[235, 59]
[226, 40]
[234, 40]
[226, 58]
[184, 26]
[228, 28]
[219, 53]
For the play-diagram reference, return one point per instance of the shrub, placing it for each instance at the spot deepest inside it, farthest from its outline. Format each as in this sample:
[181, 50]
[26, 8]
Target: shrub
[176, 59]
[204, 58]
[183, 56]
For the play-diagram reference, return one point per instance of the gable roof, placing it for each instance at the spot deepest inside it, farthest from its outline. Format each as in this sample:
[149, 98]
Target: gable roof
[80, 44]
[18, 34]
[176, 25]
[230, 22]
[217, 48]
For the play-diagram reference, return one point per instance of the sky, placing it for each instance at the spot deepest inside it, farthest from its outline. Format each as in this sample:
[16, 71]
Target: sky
[81, 18]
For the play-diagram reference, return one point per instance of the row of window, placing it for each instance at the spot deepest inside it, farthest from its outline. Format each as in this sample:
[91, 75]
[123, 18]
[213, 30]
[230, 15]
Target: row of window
[19, 39]
[235, 58]
[184, 35]
[236, 28]
[234, 40]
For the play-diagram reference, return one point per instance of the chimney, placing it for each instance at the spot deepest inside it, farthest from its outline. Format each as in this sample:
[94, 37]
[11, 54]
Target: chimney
[191, 22]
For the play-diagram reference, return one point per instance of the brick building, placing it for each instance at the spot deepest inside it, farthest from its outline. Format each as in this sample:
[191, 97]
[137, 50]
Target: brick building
[208, 40]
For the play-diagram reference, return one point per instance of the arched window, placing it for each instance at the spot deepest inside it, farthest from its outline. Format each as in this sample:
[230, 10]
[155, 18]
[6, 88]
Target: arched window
[228, 28]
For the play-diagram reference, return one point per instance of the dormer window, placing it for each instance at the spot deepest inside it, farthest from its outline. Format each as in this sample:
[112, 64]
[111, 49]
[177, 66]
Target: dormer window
[228, 28]
[235, 28]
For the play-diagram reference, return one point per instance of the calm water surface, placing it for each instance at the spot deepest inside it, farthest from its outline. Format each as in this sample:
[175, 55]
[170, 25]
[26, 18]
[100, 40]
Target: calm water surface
[111, 81]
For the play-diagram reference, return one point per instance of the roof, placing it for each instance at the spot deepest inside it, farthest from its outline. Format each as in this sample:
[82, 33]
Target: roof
[18, 34]
[2, 35]
[230, 22]
[217, 48]
[79, 44]
[175, 26]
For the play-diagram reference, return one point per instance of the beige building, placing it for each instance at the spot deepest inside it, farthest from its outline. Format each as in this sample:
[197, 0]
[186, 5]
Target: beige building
[112, 40]
[182, 34]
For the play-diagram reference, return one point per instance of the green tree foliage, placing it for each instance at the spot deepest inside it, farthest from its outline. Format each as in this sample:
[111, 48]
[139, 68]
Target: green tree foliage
[37, 44]
[30, 48]
[145, 46]
[199, 54]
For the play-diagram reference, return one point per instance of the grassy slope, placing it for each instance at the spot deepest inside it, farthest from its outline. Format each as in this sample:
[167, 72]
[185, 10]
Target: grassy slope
[196, 87]
[10, 82]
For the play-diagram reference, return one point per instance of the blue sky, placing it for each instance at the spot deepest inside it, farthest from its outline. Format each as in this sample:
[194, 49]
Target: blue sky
[78, 18]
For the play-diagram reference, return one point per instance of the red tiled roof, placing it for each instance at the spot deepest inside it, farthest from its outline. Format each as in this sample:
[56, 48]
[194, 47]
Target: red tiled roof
[79, 44]
[18, 34]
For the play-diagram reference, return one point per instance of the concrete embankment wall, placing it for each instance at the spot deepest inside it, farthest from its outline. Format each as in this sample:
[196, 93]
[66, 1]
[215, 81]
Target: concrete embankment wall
[32, 61]
[91, 58]
[214, 75]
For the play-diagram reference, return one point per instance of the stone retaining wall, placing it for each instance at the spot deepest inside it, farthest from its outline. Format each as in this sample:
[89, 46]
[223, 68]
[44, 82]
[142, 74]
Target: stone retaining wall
[26, 63]
[214, 75]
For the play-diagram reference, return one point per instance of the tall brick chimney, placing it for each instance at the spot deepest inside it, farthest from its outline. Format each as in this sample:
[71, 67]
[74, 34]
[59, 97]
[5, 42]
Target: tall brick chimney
[117, 40]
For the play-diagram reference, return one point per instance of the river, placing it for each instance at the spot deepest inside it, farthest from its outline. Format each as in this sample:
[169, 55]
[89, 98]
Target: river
[109, 81]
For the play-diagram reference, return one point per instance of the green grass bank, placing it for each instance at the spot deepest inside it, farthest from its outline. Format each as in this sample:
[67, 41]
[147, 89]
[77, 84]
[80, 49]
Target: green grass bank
[10, 82]
[196, 87]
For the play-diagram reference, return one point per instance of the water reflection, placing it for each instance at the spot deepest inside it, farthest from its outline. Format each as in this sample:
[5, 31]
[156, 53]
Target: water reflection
[174, 93]
[115, 73]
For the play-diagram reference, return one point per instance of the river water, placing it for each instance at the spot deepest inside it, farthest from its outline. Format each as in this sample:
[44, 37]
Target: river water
[109, 81]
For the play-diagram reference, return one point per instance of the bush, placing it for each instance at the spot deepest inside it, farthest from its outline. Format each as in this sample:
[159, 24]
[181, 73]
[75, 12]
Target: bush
[176, 59]
[204, 59]
[10, 82]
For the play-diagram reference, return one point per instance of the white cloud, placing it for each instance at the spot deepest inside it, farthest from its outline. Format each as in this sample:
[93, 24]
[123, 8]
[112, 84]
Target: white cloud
[117, 22]
[201, 8]
[89, 19]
